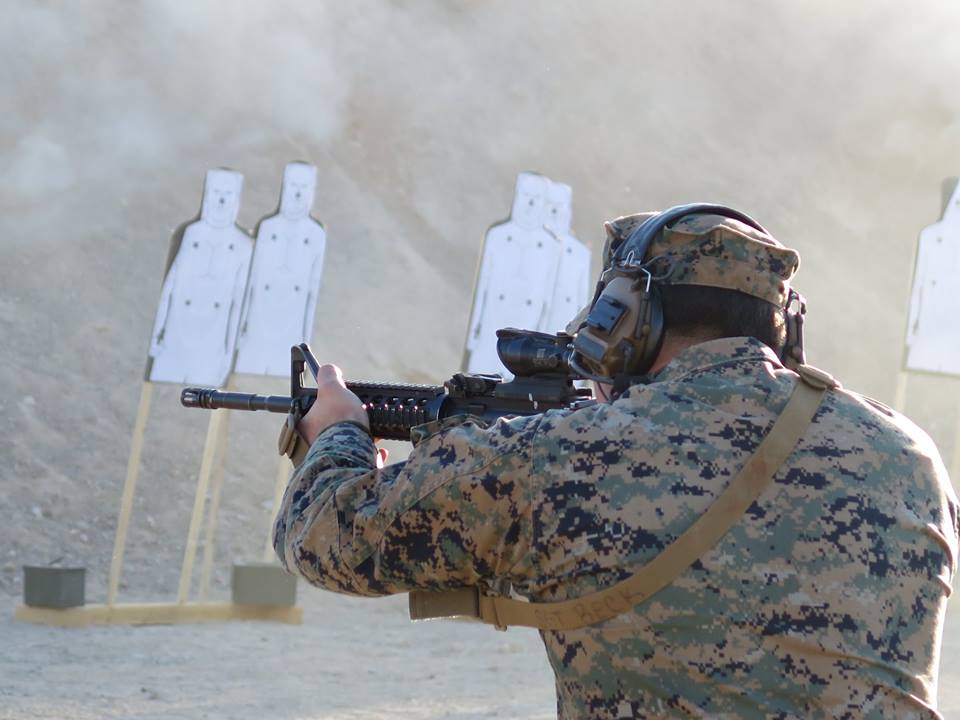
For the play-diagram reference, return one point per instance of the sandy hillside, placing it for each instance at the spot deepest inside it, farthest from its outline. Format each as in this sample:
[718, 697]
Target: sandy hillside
[833, 124]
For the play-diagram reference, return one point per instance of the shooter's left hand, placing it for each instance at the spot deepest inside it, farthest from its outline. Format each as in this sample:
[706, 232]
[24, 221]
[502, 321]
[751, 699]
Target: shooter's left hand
[334, 404]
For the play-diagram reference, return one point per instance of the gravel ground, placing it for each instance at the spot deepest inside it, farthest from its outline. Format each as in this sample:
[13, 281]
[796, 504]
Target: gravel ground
[351, 659]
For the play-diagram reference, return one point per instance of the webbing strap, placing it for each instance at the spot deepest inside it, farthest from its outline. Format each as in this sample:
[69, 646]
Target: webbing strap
[725, 511]
[290, 443]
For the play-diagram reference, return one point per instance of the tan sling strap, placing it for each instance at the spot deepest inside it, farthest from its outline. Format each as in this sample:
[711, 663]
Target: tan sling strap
[290, 443]
[725, 511]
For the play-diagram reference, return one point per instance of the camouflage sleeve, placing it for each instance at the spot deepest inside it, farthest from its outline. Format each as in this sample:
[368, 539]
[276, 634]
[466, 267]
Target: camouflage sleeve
[457, 512]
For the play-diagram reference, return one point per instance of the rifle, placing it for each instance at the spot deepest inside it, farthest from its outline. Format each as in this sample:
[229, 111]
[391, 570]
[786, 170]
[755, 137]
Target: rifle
[542, 381]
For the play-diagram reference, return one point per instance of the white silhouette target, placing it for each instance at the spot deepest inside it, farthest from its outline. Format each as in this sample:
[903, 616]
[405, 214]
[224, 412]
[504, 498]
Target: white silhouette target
[933, 338]
[517, 275]
[572, 287]
[284, 279]
[195, 331]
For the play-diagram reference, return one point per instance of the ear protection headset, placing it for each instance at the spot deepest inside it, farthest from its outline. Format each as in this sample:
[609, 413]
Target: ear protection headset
[622, 334]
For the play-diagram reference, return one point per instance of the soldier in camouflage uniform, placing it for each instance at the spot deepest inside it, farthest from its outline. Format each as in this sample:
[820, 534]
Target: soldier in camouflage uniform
[826, 598]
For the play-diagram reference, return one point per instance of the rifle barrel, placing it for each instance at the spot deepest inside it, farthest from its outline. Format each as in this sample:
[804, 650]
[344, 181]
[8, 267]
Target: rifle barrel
[210, 399]
[393, 408]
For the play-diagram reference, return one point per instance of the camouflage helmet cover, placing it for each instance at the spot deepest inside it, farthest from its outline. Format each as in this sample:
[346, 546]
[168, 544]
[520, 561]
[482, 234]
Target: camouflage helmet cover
[713, 250]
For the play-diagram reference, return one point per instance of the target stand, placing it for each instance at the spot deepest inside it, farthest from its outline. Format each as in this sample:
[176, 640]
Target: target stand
[211, 239]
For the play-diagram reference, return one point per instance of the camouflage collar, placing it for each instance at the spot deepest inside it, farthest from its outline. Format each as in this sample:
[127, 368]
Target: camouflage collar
[709, 354]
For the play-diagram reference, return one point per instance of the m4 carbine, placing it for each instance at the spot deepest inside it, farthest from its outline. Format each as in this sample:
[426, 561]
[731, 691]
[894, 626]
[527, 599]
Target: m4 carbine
[542, 381]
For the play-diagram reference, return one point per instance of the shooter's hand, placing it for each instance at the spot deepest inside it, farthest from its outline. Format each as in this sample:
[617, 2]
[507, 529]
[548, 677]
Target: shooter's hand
[334, 404]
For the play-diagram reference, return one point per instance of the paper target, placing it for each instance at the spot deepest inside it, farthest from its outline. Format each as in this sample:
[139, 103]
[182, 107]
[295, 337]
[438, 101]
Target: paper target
[284, 279]
[195, 330]
[572, 287]
[933, 340]
[517, 275]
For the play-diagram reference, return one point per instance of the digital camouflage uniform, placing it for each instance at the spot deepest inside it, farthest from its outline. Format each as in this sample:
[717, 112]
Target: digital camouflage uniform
[825, 600]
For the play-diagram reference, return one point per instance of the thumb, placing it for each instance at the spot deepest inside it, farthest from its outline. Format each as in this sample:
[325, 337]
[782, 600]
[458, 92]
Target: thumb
[330, 374]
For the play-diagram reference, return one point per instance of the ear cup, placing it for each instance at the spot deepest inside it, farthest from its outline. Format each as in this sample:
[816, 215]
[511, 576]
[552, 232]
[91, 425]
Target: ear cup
[654, 321]
[647, 334]
[793, 353]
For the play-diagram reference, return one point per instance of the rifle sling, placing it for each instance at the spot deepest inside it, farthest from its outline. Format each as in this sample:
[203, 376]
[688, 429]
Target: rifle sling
[725, 511]
[290, 443]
